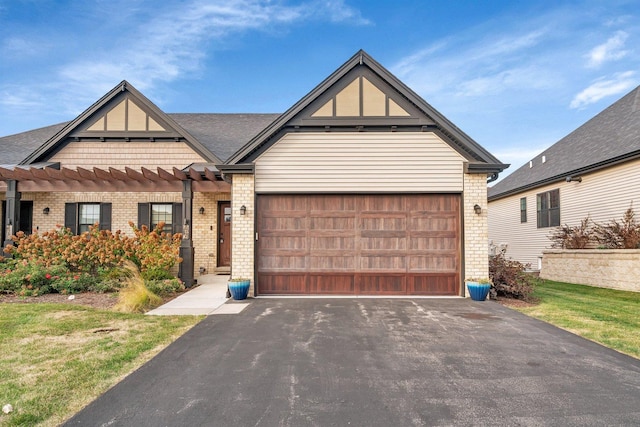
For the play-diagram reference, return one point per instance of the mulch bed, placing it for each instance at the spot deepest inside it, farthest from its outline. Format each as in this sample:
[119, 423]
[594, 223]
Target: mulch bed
[103, 301]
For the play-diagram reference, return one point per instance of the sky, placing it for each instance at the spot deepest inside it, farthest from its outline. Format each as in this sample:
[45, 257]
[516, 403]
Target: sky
[515, 76]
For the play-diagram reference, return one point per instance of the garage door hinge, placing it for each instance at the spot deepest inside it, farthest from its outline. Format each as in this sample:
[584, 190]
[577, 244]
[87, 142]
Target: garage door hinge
[256, 237]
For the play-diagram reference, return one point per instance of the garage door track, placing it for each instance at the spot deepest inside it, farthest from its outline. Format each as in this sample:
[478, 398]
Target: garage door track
[375, 362]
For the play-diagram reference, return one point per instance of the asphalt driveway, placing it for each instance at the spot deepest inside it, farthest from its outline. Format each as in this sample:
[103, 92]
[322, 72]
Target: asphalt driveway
[375, 362]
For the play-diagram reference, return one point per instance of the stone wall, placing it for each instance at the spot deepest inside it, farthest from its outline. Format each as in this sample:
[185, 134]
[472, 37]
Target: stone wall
[605, 268]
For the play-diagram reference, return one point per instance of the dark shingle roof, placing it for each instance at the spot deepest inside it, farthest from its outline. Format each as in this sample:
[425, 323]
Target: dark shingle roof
[611, 136]
[14, 148]
[222, 134]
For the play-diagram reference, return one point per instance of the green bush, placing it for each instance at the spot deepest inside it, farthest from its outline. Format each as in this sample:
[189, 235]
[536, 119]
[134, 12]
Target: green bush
[165, 287]
[156, 273]
[73, 283]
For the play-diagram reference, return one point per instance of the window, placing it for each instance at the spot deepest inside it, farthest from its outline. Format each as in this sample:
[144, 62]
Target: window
[150, 214]
[523, 209]
[88, 214]
[162, 212]
[78, 217]
[548, 208]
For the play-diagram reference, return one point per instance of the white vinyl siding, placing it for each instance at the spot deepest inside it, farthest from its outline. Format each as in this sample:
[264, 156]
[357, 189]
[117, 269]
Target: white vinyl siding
[603, 195]
[359, 162]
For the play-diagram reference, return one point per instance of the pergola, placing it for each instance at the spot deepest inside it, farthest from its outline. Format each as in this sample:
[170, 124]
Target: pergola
[49, 177]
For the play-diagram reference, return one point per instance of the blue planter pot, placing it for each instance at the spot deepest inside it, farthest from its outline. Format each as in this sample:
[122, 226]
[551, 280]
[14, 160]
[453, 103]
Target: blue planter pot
[478, 291]
[239, 290]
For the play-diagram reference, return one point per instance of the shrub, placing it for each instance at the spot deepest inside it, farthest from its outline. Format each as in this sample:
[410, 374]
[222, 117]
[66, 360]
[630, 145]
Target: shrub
[165, 287]
[97, 248]
[578, 237]
[153, 249]
[510, 278]
[134, 297]
[619, 235]
[156, 273]
[72, 283]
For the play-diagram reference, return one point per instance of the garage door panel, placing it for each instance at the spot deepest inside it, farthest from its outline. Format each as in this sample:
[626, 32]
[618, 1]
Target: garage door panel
[432, 285]
[362, 244]
[383, 262]
[386, 243]
[433, 244]
[432, 263]
[322, 203]
[333, 261]
[332, 223]
[335, 284]
[293, 242]
[283, 261]
[290, 284]
[382, 284]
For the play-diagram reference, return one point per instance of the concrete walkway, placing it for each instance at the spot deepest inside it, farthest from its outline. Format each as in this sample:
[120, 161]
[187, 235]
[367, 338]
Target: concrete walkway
[207, 298]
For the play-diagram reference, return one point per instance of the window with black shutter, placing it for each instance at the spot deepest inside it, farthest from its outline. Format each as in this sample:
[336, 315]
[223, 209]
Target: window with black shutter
[78, 217]
[151, 214]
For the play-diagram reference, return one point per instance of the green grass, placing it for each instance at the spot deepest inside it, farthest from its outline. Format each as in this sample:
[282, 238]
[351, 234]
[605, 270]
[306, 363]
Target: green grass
[56, 358]
[606, 316]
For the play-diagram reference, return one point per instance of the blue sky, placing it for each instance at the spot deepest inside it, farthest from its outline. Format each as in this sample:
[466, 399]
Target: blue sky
[515, 76]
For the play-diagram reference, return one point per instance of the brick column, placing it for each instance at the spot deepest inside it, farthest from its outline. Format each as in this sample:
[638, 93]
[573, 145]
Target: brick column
[476, 227]
[242, 228]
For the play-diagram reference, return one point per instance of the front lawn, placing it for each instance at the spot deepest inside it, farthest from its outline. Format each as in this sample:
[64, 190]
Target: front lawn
[56, 358]
[606, 316]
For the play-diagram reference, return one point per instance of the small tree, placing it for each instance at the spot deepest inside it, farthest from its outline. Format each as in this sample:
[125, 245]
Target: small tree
[577, 237]
[619, 235]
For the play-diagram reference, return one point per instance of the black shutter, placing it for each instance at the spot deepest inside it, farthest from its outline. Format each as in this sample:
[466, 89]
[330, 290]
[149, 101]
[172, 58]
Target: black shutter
[177, 218]
[105, 216]
[71, 217]
[144, 214]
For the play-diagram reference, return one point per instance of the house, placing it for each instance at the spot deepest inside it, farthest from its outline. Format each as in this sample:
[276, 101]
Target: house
[594, 171]
[361, 187]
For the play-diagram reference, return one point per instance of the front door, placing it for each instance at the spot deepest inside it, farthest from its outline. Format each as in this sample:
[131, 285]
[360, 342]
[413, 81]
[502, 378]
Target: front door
[224, 234]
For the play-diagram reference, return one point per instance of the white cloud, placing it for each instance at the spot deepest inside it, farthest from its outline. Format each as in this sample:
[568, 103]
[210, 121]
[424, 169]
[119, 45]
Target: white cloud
[619, 83]
[176, 42]
[611, 50]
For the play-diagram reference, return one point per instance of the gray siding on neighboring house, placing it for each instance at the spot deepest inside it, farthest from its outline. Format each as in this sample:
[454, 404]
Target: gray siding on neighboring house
[603, 195]
[360, 162]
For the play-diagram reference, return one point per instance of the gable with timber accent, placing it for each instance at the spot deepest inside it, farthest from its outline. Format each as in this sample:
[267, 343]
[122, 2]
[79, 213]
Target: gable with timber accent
[123, 128]
[361, 97]
[126, 116]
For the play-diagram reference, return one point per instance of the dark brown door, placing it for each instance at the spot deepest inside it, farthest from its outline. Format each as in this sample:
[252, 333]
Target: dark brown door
[359, 244]
[224, 234]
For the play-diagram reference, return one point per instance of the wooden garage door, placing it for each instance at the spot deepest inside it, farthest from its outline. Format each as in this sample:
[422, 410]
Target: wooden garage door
[359, 244]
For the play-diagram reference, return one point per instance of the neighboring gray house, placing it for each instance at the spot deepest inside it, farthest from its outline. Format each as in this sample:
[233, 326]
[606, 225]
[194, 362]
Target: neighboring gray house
[594, 171]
